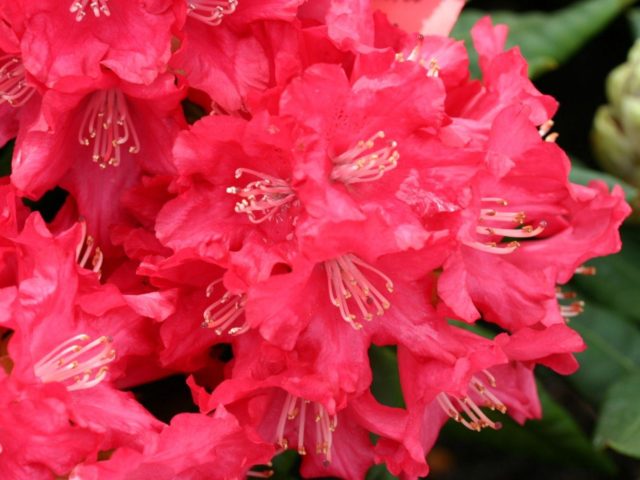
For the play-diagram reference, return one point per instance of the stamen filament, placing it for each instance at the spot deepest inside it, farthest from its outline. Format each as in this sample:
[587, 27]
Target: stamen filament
[262, 199]
[98, 7]
[14, 88]
[107, 124]
[78, 362]
[210, 12]
[345, 281]
[364, 164]
[468, 413]
[325, 425]
[223, 313]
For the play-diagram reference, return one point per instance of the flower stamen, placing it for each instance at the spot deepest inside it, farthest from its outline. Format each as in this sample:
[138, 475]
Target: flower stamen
[221, 314]
[108, 125]
[79, 362]
[492, 223]
[294, 407]
[346, 281]
[211, 12]
[262, 199]
[366, 161]
[98, 7]
[545, 130]
[14, 88]
[467, 412]
[86, 250]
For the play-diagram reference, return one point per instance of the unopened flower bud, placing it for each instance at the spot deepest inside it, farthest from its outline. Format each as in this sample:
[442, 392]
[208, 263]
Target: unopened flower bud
[616, 126]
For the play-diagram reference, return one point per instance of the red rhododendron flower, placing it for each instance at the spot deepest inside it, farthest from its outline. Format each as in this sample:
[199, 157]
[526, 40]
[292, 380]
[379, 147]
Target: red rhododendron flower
[343, 187]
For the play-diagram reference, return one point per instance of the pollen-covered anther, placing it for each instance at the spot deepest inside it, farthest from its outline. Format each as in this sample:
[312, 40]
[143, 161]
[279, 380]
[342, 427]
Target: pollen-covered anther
[467, 412]
[545, 131]
[496, 222]
[211, 12]
[88, 255]
[262, 199]
[14, 88]
[586, 270]
[222, 315]
[79, 362]
[572, 310]
[367, 161]
[97, 7]
[564, 295]
[348, 283]
[107, 124]
[298, 411]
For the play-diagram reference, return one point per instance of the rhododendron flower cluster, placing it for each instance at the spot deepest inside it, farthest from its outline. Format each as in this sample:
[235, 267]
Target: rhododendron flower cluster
[347, 184]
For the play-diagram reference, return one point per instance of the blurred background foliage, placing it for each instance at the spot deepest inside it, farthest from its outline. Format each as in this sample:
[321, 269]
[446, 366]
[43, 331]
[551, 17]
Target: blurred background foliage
[591, 424]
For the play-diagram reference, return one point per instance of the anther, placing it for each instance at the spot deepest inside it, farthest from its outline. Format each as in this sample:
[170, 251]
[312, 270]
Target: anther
[367, 161]
[348, 284]
[586, 270]
[466, 411]
[107, 125]
[297, 411]
[222, 314]
[97, 7]
[79, 362]
[14, 88]
[211, 12]
[87, 250]
[262, 199]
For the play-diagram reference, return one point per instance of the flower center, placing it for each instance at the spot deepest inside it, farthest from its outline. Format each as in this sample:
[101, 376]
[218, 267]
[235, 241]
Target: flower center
[325, 424]
[79, 362]
[87, 250]
[347, 282]
[14, 88]
[98, 7]
[467, 412]
[262, 199]
[367, 161]
[498, 223]
[211, 12]
[418, 56]
[107, 125]
[223, 313]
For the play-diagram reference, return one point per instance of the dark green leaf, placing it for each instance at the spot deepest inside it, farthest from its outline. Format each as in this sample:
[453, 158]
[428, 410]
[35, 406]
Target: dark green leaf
[619, 425]
[613, 351]
[380, 472]
[618, 278]
[634, 21]
[583, 175]
[386, 379]
[549, 39]
[556, 438]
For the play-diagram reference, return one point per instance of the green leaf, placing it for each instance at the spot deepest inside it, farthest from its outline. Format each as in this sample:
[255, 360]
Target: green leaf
[380, 472]
[634, 21]
[548, 39]
[386, 378]
[583, 175]
[556, 438]
[616, 284]
[613, 351]
[619, 425]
